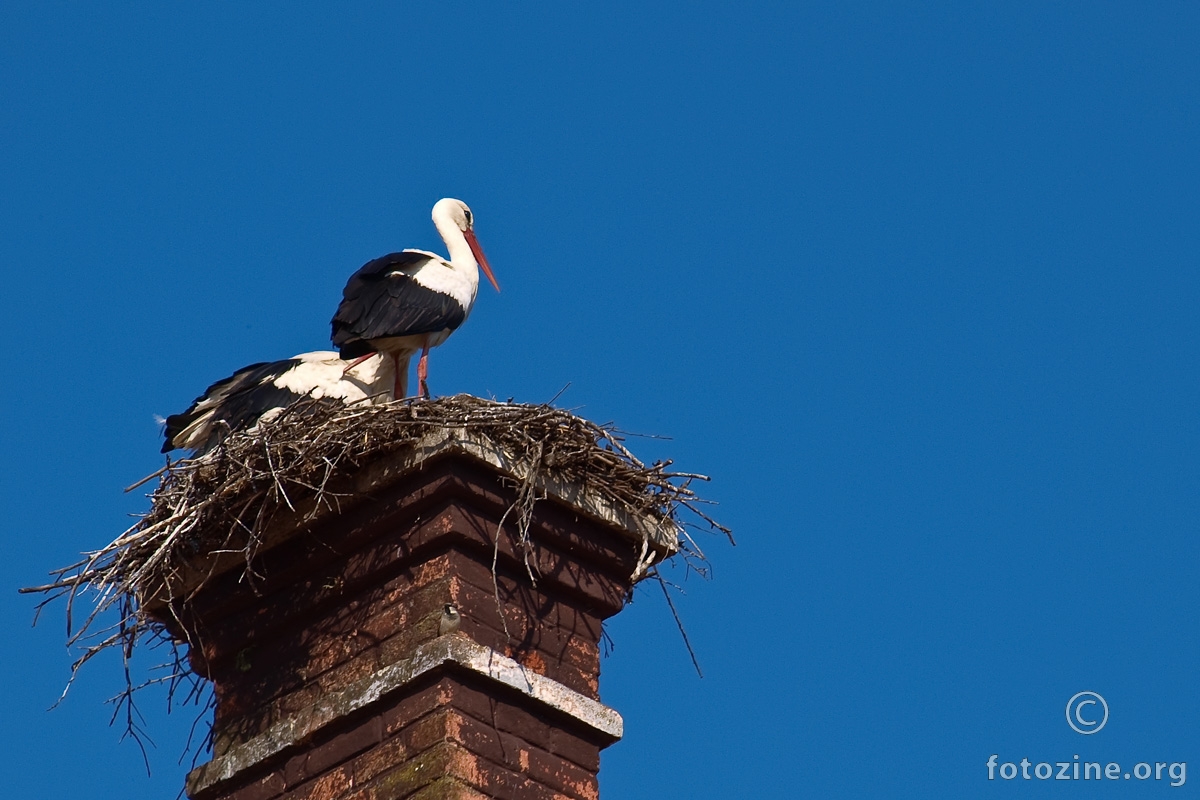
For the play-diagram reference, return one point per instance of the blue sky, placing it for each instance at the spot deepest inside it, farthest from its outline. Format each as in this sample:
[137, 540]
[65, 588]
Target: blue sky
[917, 287]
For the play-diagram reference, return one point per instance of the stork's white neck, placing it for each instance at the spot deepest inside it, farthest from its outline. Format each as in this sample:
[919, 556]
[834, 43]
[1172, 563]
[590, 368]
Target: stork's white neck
[461, 256]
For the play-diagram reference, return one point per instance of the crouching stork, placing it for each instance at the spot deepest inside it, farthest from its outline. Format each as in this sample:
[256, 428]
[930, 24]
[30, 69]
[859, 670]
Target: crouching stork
[260, 392]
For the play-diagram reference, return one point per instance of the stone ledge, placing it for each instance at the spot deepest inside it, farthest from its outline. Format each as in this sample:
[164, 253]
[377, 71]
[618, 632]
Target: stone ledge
[450, 649]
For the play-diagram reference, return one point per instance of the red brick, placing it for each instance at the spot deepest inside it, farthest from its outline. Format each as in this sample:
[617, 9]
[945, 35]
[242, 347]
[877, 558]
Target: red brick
[294, 770]
[477, 737]
[379, 759]
[426, 732]
[471, 700]
[405, 711]
[384, 622]
[562, 775]
[520, 722]
[445, 789]
[405, 643]
[506, 784]
[327, 786]
[266, 788]
[292, 703]
[579, 751]
[422, 769]
[323, 755]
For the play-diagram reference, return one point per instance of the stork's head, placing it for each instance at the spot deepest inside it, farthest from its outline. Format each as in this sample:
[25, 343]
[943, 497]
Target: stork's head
[454, 210]
[459, 215]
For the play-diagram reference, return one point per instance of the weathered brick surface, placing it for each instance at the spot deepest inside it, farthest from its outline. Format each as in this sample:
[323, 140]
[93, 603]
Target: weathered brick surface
[329, 785]
[505, 750]
[447, 727]
[364, 590]
[342, 746]
[265, 788]
[419, 700]
[569, 745]
[311, 570]
[561, 774]
[273, 681]
[585, 541]
[381, 759]
[449, 759]
[446, 789]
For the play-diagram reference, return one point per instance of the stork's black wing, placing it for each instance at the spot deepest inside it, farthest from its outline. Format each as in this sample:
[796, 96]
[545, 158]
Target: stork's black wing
[383, 299]
[237, 401]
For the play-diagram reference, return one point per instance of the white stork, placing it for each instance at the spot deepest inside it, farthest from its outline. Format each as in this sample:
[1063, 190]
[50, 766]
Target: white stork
[260, 392]
[412, 300]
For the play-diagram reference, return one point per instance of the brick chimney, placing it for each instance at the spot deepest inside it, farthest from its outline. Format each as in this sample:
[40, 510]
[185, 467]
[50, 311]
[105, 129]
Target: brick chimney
[339, 671]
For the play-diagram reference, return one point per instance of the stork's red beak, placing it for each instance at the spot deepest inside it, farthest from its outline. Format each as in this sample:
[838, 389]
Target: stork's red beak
[480, 257]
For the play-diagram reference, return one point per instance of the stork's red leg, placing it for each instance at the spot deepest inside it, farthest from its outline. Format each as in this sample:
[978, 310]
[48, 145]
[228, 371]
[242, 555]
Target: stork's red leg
[358, 361]
[423, 371]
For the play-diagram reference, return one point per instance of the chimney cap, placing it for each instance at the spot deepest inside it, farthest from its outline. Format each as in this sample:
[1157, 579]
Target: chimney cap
[549, 451]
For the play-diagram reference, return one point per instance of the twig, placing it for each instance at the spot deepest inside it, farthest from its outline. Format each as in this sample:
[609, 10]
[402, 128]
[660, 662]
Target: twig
[148, 478]
[678, 622]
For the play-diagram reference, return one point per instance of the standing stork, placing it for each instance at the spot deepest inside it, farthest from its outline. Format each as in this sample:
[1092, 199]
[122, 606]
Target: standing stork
[412, 300]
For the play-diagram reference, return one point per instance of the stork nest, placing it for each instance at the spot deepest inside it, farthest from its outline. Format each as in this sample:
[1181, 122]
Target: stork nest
[225, 500]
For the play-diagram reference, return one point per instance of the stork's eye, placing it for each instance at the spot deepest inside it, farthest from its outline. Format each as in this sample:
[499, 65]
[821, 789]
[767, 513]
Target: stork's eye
[467, 212]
